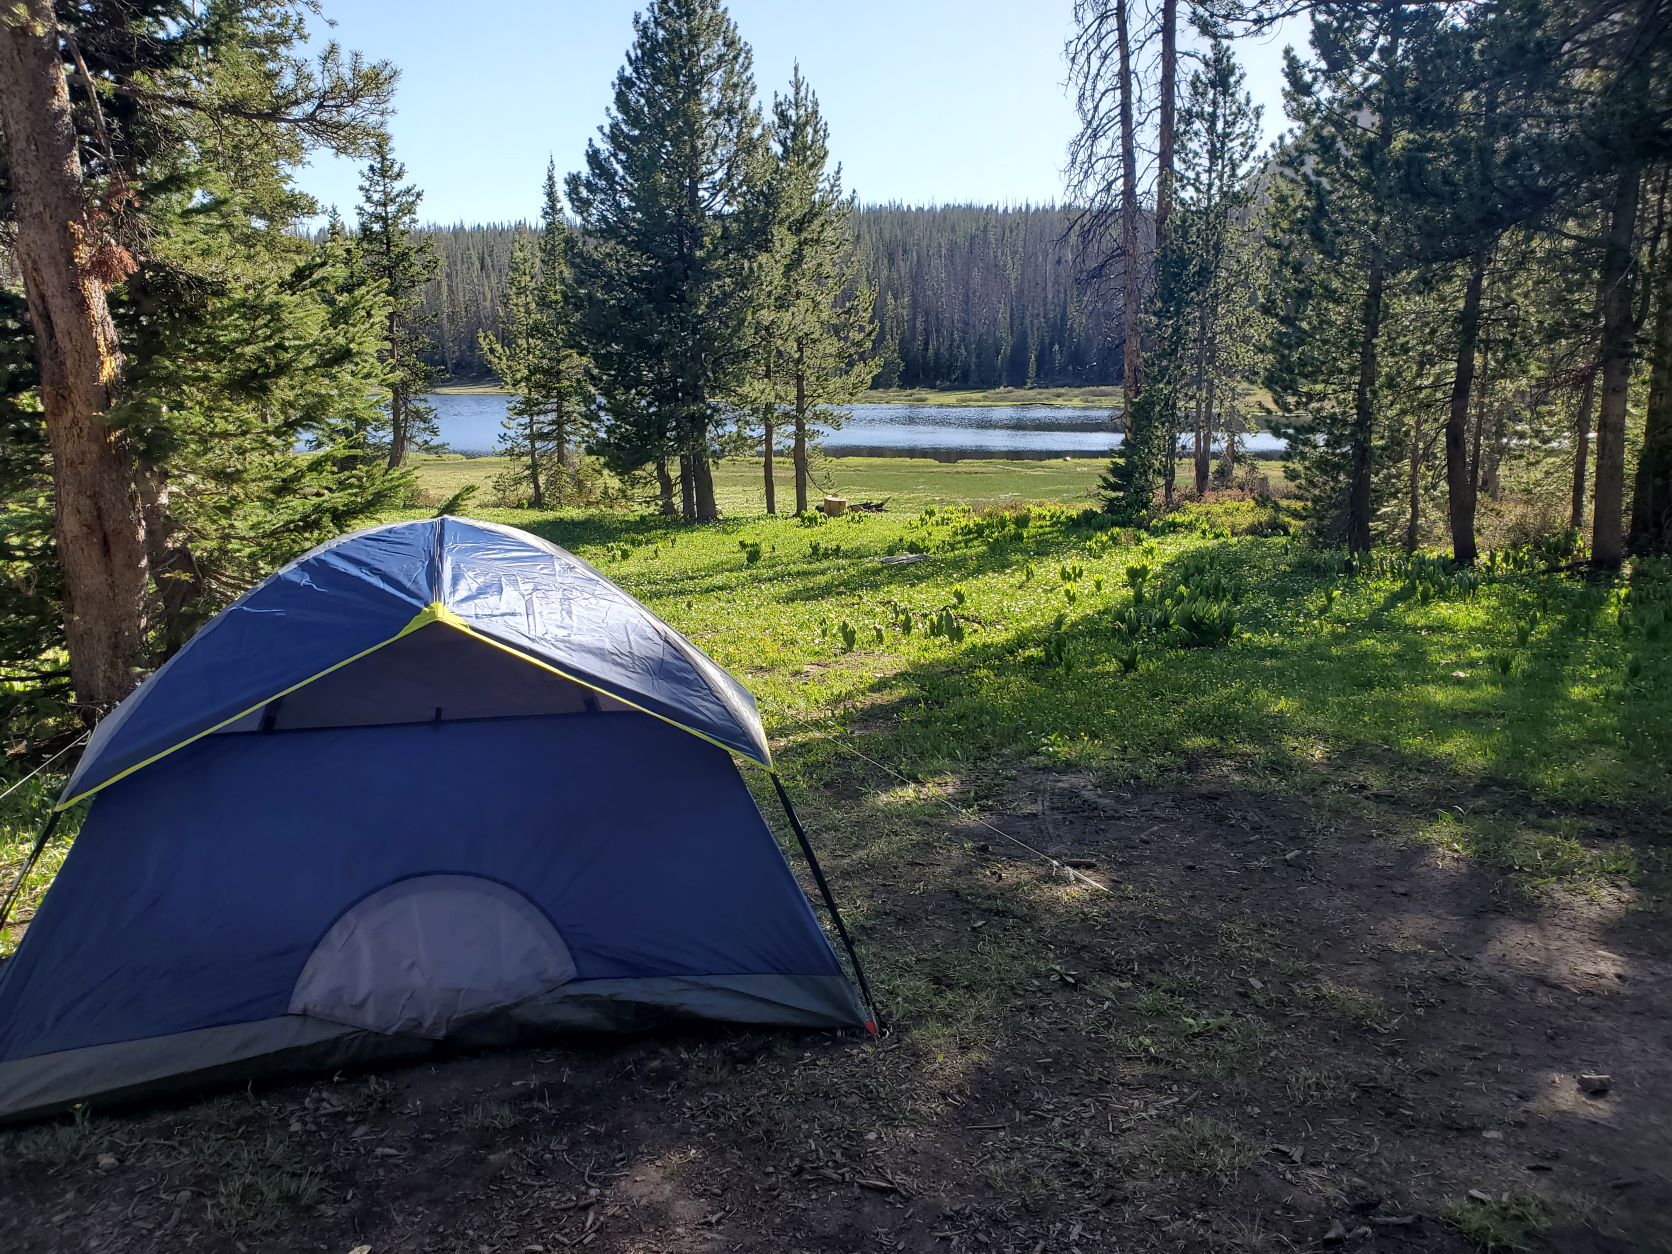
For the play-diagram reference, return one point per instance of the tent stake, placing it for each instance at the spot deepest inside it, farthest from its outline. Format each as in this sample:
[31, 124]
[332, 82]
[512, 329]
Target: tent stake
[876, 1024]
[29, 865]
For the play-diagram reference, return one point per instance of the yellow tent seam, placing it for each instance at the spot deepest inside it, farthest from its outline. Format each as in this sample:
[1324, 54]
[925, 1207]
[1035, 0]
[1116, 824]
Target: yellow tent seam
[422, 619]
[435, 612]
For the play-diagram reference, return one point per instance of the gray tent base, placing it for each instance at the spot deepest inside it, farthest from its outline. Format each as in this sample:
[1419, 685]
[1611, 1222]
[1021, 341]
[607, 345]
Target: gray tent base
[196, 1062]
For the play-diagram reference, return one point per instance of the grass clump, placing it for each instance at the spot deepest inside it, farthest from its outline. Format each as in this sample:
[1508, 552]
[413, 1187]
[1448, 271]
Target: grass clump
[1509, 1222]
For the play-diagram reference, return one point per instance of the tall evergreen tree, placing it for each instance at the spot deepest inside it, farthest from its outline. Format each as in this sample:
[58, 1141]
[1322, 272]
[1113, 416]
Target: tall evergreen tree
[535, 357]
[664, 258]
[817, 327]
[391, 250]
[525, 437]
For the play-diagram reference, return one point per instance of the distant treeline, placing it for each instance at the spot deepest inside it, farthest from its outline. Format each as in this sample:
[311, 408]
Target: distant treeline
[967, 296]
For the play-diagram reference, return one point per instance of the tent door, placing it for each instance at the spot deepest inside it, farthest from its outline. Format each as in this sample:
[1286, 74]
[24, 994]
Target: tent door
[420, 955]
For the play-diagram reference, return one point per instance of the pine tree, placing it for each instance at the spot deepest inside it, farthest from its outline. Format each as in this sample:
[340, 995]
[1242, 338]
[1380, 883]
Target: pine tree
[513, 354]
[391, 250]
[817, 327]
[664, 262]
[1340, 239]
[563, 374]
[535, 357]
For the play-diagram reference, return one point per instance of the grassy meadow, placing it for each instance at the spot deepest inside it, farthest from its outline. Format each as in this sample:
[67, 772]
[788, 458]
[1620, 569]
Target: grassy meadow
[1369, 863]
[905, 483]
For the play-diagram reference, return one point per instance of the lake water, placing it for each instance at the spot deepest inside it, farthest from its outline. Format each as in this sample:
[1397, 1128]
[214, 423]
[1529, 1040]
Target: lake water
[470, 424]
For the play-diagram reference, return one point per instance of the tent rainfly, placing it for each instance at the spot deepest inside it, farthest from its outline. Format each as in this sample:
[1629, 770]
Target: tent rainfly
[438, 781]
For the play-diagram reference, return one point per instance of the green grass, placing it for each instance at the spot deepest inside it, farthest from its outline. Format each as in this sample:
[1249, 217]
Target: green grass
[906, 483]
[1356, 676]
[1005, 648]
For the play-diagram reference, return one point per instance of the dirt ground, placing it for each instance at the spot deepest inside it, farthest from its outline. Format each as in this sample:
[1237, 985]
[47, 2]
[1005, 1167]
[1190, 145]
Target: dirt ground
[1288, 1025]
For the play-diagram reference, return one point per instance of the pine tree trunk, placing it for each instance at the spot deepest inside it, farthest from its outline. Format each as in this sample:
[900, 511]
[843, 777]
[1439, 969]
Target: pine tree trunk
[1607, 548]
[1198, 447]
[1132, 290]
[687, 489]
[664, 485]
[800, 452]
[1167, 106]
[536, 497]
[703, 473]
[1460, 480]
[1205, 463]
[99, 523]
[1651, 512]
[1582, 447]
[1413, 515]
[1370, 327]
[1358, 491]
[771, 484]
[397, 413]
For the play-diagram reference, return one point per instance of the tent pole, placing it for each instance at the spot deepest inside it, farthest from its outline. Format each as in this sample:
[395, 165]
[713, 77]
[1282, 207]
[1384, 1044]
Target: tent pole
[876, 1024]
[28, 866]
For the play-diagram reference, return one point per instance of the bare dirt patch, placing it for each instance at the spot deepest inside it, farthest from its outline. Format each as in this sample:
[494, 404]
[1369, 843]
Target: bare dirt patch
[1292, 1023]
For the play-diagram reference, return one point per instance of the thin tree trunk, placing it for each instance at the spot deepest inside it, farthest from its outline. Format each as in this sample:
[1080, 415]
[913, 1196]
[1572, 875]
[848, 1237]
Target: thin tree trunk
[1460, 479]
[1651, 512]
[99, 522]
[1358, 492]
[800, 452]
[1413, 515]
[664, 485]
[1199, 449]
[1167, 88]
[771, 483]
[1582, 447]
[536, 498]
[397, 407]
[1370, 327]
[1607, 548]
[1132, 290]
[687, 489]
[1205, 464]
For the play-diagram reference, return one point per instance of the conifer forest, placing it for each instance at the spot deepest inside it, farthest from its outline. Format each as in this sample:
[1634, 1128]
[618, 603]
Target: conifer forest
[1256, 828]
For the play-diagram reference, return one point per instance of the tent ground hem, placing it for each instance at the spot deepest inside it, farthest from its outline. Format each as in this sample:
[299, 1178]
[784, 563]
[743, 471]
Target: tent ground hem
[191, 1063]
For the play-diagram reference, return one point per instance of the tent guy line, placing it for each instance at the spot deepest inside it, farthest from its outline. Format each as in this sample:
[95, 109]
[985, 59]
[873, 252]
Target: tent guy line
[1068, 872]
[20, 783]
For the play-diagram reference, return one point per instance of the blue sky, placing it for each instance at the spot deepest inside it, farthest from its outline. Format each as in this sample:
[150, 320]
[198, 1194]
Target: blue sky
[928, 100]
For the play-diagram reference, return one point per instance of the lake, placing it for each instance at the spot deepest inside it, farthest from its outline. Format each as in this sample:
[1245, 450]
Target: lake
[470, 424]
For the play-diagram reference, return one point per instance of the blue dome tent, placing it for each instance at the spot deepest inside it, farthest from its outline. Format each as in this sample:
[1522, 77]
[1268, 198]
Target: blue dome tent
[434, 781]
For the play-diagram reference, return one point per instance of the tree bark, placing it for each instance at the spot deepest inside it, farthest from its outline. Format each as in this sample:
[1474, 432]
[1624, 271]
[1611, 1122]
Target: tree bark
[1413, 514]
[771, 483]
[99, 522]
[1607, 540]
[536, 497]
[1204, 464]
[703, 473]
[1370, 326]
[664, 486]
[1651, 511]
[687, 488]
[800, 453]
[1165, 119]
[1131, 289]
[1460, 479]
[1364, 392]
